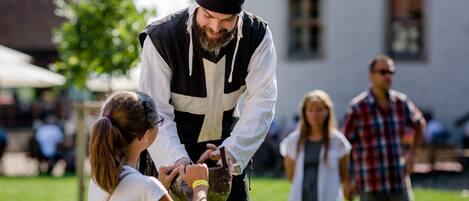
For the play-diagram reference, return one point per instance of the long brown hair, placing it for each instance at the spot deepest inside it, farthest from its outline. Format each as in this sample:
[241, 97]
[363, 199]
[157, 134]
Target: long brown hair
[125, 116]
[329, 123]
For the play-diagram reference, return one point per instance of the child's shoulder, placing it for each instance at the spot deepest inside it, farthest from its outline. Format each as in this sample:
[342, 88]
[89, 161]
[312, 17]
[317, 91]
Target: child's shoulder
[142, 184]
[131, 176]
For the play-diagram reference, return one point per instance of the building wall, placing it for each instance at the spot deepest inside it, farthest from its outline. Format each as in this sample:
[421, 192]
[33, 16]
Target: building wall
[353, 33]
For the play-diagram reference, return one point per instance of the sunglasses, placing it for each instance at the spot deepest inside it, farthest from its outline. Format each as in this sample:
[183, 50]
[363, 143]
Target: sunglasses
[384, 72]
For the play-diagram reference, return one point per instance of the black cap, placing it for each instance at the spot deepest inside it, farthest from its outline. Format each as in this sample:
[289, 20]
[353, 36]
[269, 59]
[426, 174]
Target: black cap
[222, 6]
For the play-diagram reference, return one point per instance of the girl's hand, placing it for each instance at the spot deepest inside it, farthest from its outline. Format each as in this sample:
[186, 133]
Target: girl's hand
[166, 175]
[195, 172]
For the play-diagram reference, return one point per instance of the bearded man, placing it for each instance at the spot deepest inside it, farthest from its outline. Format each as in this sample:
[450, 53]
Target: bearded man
[196, 64]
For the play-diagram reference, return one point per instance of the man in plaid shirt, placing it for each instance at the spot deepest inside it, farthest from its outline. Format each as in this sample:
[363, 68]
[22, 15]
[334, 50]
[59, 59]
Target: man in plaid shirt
[375, 124]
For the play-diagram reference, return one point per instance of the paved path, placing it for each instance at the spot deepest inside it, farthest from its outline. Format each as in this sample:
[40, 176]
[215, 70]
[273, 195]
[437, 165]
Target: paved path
[19, 164]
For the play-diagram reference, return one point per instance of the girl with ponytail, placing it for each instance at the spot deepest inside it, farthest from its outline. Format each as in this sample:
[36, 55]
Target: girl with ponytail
[128, 124]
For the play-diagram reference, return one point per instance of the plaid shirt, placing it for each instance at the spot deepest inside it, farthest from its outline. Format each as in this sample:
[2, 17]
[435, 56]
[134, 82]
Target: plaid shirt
[375, 135]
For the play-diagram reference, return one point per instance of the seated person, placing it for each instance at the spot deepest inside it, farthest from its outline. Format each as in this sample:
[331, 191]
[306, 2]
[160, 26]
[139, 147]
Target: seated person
[3, 143]
[49, 137]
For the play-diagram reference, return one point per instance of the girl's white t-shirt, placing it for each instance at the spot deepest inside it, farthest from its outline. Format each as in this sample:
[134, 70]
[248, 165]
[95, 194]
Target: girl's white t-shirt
[133, 186]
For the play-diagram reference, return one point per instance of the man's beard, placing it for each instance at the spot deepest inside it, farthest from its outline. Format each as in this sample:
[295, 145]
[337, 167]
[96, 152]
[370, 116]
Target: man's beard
[213, 44]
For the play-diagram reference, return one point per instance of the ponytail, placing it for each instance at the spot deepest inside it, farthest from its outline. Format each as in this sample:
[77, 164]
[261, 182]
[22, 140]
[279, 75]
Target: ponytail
[125, 116]
[107, 154]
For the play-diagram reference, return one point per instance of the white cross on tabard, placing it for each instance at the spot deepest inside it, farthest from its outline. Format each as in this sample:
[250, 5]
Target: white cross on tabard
[211, 106]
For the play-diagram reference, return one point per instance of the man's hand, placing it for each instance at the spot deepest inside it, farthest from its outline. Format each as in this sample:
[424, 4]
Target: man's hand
[213, 153]
[349, 192]
[410, 161]
[166, 175]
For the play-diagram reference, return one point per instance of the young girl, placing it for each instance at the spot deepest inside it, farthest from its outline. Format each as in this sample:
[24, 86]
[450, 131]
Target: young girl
[315, 155]
[127, 126]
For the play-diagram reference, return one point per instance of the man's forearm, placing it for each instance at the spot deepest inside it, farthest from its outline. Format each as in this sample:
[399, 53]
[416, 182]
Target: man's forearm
[418, 136]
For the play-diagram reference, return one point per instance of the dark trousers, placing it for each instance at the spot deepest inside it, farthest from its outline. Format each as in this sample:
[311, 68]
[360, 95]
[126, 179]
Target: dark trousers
[407, 195]
[3, 147]
[239, 188]
[384, 197]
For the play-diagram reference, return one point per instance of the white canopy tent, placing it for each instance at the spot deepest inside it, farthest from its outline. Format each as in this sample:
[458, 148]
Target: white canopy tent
[13, 55]
[14, 75]
[15, 71]
[105, 83]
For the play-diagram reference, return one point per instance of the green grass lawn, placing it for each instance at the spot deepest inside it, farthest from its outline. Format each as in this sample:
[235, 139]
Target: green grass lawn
[65, 189]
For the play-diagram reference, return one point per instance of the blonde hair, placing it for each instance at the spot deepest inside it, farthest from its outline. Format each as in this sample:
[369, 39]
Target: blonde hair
[330, 122]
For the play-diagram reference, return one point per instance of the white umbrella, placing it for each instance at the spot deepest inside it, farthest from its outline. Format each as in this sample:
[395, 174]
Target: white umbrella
[13, 55]
[117, 83]
[15, 71]
[18, 74]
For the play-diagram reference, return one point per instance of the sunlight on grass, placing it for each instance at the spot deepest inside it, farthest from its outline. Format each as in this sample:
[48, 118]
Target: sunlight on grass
[65, 188]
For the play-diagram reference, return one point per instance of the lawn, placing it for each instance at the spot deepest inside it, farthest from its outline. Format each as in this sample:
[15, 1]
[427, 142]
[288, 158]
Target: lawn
[64, 189]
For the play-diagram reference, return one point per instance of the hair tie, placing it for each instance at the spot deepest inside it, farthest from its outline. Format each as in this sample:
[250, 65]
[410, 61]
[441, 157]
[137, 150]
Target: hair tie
[107, 115]
[146, 109]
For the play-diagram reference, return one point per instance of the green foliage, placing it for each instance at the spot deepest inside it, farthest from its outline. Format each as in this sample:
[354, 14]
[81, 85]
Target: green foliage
[99, 36]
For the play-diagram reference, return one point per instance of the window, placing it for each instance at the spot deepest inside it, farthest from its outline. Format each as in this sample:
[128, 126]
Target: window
[406, 30]
[305, 29]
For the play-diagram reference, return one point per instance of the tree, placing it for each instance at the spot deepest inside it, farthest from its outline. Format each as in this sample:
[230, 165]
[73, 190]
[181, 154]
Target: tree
[99, 36]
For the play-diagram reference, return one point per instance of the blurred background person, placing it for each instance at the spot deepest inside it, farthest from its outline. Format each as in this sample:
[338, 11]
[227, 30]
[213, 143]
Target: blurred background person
[435, 134]
[375, 124]
[316, 154]
[463, 124]
[267, 160]
[49, 137]
[3, 146]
